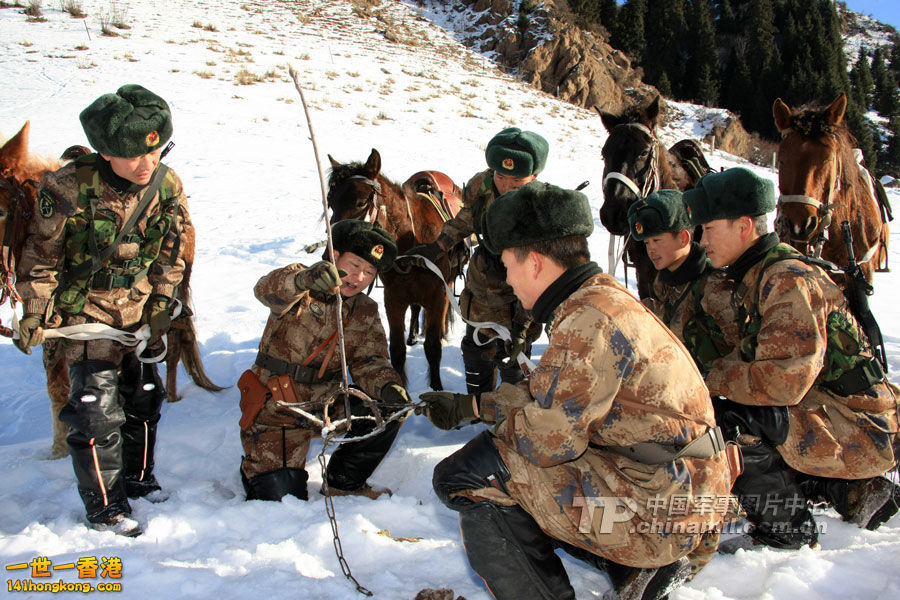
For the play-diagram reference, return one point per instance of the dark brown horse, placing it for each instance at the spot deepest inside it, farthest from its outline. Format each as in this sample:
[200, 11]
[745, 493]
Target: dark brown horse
[20, 174]
[822, 184]
[635, 163]
[360, 191]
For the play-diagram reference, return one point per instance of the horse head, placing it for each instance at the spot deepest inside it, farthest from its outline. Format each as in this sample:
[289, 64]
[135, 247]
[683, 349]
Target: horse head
[18, 192]
[811, 166]
[630, 163]
[354, 189]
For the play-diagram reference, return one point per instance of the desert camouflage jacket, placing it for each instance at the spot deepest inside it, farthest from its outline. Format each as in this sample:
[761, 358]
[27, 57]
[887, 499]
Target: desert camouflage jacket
[48, 248]
[612, 375]
[487, 296]
[829, 435]
[672, 293]
[299, 323]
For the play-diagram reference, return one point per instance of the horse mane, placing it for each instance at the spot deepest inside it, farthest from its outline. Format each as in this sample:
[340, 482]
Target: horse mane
[812, 122]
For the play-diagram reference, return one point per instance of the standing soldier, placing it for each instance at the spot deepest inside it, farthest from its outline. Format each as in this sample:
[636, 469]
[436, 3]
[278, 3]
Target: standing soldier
[609, 450]
[801, 392]
[297, 362]
[106, 248]
[514, 158]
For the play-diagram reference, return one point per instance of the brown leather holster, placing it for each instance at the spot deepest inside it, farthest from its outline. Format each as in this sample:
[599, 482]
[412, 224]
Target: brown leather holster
[253, 397]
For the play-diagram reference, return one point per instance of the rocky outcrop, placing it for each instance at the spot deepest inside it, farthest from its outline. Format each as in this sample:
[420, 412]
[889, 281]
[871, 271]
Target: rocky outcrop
[538, 41]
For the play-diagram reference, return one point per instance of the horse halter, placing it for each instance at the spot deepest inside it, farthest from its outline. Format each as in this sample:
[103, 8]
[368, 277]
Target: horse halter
[650, 172]
[369, 212]
[824, 209]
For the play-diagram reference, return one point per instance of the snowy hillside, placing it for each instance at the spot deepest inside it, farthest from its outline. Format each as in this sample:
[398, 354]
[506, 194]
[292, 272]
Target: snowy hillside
[376, 77]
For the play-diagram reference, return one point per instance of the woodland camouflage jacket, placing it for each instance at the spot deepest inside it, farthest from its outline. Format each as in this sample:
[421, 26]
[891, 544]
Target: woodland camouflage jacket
[829, 435]
[612, 375]
[53, 243]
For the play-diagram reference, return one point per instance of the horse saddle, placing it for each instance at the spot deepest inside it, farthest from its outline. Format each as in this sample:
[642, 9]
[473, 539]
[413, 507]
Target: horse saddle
[691, 158]
[439, 189]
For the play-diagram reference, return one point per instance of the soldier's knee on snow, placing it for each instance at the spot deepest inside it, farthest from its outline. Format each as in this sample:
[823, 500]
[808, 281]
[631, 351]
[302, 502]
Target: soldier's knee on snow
[275, 485]
[476, 465]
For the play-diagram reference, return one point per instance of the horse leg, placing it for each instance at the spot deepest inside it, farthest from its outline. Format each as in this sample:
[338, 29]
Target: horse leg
[882, 265]
[172, 357]
[395, 308]
[414, 312]
[58, 390]
[435, 319]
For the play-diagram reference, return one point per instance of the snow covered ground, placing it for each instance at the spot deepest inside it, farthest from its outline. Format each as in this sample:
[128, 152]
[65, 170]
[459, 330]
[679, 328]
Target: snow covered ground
[244, 155]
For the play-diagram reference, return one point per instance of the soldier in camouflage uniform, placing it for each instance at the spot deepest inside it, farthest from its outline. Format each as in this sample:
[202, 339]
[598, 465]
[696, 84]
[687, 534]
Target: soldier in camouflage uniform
[609, 450]
[800, 391]
[514, 158]
[69, 277]
[299, 341]
[660, 222]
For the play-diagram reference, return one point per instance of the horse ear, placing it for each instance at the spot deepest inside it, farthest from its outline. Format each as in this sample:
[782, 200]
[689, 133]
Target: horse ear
[373, 165]
[609, 120]
[334, 163]
[15, 148]
[652, 111]
[782, 114]
[835, 111]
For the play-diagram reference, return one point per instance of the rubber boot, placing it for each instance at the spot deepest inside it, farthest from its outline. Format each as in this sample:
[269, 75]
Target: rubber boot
[507, 548]
[632, 583]
[275, 485]
[95, 417]
[479, 364]
[866, 502]
[142, 393]
[775, 502]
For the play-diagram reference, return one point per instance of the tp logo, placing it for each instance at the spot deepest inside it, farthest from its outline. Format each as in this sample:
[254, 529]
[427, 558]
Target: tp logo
[612, 510]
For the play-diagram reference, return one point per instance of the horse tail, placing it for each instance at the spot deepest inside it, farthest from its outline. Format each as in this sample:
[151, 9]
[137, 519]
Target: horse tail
[186, 338]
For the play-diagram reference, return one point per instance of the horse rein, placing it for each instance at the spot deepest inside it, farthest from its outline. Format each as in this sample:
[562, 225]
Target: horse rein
[824, 209]
[7, 260]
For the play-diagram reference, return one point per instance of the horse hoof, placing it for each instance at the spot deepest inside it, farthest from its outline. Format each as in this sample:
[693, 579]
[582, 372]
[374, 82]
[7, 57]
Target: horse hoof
[412, 341]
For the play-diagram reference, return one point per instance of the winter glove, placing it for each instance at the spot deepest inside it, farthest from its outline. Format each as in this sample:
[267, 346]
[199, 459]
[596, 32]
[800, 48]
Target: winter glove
[157, 315]
[395, 394]
[31, 332]
[518, 343]
[432, 251]
[323, 277]
[447, 410]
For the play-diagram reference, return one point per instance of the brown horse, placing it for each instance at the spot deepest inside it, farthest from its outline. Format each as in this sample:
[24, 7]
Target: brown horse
[20, 174]
[822, 185]
[635, 163]
[360, 191]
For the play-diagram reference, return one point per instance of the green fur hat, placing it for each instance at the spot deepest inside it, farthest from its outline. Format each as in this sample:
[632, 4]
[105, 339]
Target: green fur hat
[132, 122]
[517, 153]
[369, 242]
[660, 212]
[729, 194]
[536, 212]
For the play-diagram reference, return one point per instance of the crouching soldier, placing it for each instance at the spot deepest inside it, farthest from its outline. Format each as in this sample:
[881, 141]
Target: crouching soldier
[801, 391]
[106, 248]
[609, 450]
[297, 362]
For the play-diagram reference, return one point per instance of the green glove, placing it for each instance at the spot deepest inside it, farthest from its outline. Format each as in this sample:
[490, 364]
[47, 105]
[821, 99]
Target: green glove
[157, 315]
[31, 332]
[447, 410]
[432, 251]
[395, 394]
[323, 277]
[518, 343]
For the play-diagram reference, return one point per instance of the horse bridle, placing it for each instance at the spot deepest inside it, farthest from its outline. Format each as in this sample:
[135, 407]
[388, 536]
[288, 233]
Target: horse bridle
[650, 172]
[824, 209]
[369, 213]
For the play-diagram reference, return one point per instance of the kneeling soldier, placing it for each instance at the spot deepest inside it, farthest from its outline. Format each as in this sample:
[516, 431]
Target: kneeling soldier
[297, 356]
[610, 446]
[801, 391]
